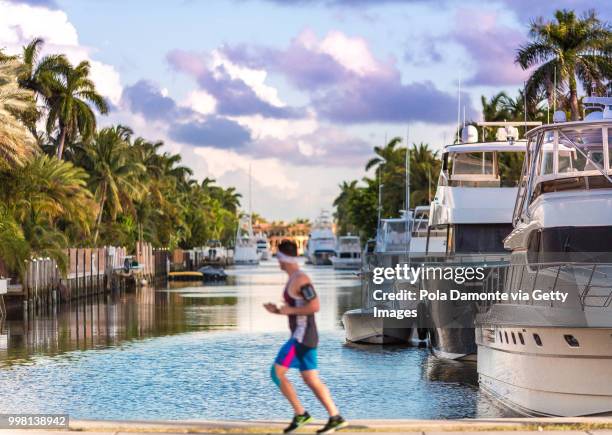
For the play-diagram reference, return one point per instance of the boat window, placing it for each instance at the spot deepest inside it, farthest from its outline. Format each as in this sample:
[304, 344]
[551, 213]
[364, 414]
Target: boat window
[537, 339]
[513, 338]
[546, 154]
[580, 150]
[501, 339]
[522, 340]
[473, 163]
[481, 238]
[506, 335]
[571, 340]
[524, 180]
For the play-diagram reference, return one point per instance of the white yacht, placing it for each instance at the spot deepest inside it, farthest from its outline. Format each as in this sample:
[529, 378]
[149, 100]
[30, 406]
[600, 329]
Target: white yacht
[215, 253]
[263, 247]
[321, 244]
[472, 209]
[245, 251]
[392, 242]
[348, 253]
[554, 357]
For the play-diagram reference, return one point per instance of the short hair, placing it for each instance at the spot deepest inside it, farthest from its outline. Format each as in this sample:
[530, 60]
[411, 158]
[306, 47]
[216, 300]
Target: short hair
[288, 247]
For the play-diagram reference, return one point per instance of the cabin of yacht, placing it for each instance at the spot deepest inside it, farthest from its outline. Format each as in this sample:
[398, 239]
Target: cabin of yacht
[550, 357]
[472, 208]
[348, 253]
[263, 246]
[321, 244]
[245, 251]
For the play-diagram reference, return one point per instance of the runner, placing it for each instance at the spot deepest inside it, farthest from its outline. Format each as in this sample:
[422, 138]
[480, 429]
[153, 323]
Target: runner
[300, 351]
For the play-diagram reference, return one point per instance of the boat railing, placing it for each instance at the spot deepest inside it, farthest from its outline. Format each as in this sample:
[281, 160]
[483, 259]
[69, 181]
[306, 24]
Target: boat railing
[590, 283]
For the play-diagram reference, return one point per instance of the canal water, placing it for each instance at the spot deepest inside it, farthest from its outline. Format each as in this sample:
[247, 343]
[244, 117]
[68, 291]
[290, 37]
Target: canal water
[203, 351]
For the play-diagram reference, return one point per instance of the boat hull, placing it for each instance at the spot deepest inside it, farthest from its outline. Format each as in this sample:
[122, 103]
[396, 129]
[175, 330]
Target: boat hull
[453, 343]
[362, 327]
[321, 258]
[549, 379]
[346, 263]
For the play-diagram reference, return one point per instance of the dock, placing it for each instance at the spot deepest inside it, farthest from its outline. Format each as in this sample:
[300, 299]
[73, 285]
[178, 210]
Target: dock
[561, 425]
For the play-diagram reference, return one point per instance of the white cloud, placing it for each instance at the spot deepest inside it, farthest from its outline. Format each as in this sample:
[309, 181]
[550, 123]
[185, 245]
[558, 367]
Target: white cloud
[20, 23]
[254, 78]
[200, 101]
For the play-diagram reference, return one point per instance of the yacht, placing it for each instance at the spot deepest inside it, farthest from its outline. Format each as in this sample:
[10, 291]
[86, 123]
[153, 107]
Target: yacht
[391, 246]
[321, 244]
[348, 253]
[472, 209]
[548, 356]
[245, 251]
[215, 253]
[263, 247]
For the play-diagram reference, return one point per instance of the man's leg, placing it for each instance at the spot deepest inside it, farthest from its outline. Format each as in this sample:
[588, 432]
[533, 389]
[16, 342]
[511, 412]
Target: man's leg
[287, 389]
[311, 378]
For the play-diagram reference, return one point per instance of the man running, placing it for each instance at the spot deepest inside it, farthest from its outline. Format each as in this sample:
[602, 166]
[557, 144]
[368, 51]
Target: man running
[301, 303]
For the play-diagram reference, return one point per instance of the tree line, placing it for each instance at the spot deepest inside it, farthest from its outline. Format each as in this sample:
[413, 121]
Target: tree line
[68, 183]
[563, 53]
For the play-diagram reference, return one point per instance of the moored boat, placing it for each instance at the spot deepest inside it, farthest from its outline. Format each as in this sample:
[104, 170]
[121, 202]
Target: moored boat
[472, 209]
[348, 253]
[551, 356]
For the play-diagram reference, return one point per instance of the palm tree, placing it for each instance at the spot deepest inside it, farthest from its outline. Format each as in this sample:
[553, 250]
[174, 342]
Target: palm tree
[16, 143]
[68, 103]
[495, 109]
[114, 175]
[571, 48]
[38, 74]
[386, 154]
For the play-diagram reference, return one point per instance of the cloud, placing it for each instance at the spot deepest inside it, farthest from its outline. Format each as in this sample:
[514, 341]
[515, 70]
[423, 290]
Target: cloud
[237, 91]
[21, 22]
[347, 84]
[51, 4]
[492, 47]
[527, 10]
[212, 131]
[146, 98]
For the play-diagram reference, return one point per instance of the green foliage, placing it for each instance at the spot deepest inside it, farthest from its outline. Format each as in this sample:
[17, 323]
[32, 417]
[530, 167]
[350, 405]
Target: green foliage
[356, 207]
[110, 189]
[571, 48]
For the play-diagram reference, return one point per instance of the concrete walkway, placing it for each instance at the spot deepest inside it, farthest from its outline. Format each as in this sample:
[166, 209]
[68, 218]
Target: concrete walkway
[582, 426]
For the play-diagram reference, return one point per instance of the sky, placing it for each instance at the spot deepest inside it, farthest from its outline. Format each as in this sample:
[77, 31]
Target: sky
[294, 92]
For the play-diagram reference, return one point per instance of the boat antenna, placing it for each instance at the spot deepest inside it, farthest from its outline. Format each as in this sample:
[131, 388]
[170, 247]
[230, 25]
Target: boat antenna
[525, 103]
[555, 90]
[407, 207]
[459, 108]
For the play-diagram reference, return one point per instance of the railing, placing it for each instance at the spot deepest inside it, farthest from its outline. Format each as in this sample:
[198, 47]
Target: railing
[591, 283]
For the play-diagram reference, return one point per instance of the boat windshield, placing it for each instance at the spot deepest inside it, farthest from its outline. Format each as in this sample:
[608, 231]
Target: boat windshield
[394, 235]
[485, 169]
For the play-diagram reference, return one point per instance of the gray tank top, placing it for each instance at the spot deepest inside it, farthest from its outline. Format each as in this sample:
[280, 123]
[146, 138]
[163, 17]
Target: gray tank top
[303, 327]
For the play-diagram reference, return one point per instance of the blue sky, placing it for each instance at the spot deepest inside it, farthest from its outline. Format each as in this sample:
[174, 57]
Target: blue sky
[298, 90]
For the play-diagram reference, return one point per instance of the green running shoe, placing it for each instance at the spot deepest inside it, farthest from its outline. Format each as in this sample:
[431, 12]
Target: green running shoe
[297, 422]
[333, 424]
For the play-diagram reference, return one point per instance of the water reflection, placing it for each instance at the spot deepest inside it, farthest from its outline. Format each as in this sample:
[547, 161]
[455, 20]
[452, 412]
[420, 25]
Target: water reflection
[195, 351]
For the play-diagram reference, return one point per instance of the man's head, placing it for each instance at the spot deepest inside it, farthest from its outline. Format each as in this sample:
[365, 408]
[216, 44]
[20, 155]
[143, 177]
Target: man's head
[287, 255]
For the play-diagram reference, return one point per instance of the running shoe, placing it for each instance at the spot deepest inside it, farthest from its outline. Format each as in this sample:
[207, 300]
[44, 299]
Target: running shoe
[297, 422]
[333, 424]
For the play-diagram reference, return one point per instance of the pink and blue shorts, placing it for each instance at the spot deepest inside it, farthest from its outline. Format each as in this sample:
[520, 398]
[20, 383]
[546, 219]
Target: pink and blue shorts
[295, 355]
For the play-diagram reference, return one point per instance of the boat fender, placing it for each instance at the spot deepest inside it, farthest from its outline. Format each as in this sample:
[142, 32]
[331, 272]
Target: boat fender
[308, 292]
[274, 376]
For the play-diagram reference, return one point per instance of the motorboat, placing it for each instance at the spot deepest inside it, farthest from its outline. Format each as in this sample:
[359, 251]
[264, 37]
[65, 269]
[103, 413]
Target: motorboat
[245, 249]
[548, 356]
[472, 211]
[348, 253]
[321, 245]
[263, 246]
[392, 243]
[215, 253]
